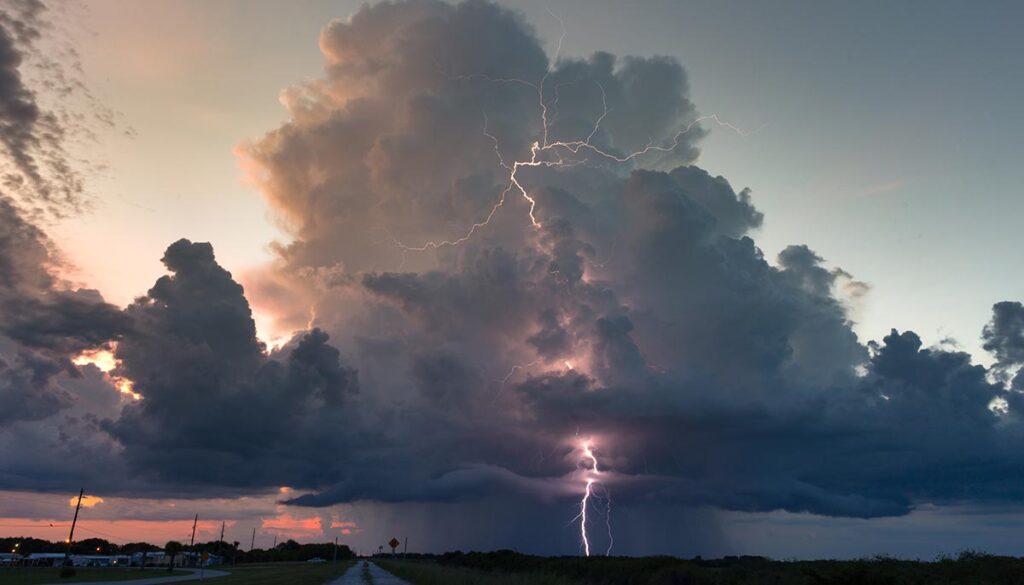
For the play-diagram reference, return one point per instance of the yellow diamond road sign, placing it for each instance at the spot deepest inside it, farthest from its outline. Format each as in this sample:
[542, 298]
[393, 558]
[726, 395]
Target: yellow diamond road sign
[393, 543]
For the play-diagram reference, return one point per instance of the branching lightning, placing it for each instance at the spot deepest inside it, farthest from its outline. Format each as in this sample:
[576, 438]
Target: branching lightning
[512, 371]
[591, 478]
[561, 154]
[545, 153]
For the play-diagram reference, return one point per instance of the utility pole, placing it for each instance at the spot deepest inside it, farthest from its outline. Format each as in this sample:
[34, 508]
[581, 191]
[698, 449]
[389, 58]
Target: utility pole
[335, 551]
[192, 542]
[252, 544]
[71, 536]
[405, 551]
[275, 541]
[220, 543]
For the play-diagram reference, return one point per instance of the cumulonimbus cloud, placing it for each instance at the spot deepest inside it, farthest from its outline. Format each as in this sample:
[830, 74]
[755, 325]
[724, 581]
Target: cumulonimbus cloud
[634, 309]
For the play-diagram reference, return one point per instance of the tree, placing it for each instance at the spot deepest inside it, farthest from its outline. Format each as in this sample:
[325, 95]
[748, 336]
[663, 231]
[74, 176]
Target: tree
[172, 548]
[234, 553]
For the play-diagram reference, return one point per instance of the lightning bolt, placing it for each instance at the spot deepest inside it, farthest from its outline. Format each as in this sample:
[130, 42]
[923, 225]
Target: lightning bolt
[516, 368]
[560, 154]
[592, 473]
[545, 153]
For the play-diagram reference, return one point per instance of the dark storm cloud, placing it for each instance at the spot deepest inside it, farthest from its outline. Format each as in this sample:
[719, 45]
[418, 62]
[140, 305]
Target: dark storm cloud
[25, 388]
[51, 410]
[43, 323]
[1004, 337]
[638, 314]
[213, 403]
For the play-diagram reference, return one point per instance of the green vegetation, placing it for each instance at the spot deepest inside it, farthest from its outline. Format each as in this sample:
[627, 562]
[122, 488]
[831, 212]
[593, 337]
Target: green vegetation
[172, 549]
[39, 576]
[432, 573]
[282, 573]
[89, 546]
[253, 574]
[509, 568]
[366, 575]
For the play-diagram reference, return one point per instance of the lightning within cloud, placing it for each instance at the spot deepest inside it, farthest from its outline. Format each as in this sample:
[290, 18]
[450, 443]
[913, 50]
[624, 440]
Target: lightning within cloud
[560, 154]
[545, 153]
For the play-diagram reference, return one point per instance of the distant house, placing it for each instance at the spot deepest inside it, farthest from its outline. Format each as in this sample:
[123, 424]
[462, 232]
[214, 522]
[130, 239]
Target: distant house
[45, 559]
[100, 560]
[10, 558]
[152, 559]
[183, 559]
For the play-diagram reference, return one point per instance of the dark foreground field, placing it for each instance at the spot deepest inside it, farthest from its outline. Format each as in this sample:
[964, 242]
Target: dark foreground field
[282, 574]
[35, 576]
[507, 568]
[249, 574]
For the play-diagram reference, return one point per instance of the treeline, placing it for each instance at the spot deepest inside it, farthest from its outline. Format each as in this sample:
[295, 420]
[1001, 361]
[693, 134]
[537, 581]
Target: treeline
[26, 545]
[294, 551]
[288, 550]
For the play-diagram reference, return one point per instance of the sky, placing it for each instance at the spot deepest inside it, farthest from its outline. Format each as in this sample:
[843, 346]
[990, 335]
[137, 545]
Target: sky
[265, 292]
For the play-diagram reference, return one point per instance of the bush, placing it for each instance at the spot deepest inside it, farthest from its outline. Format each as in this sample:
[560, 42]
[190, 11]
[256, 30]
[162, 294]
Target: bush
[67, 571]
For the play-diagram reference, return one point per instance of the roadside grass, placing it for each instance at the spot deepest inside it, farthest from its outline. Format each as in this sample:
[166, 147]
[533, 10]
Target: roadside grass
[281, 573]
[42, 575]
[431, 573]
[508, 568]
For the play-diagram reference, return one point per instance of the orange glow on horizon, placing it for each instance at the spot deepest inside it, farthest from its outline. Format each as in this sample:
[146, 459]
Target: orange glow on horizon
[119, 531]
[293, 527]
[347, 528]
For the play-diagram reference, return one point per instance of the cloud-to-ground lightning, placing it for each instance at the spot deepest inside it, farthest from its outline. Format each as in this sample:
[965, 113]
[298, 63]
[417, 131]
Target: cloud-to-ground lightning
[591, 477]
[546, 152]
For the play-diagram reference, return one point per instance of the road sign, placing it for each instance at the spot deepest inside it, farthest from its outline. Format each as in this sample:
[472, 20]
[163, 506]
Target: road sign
[393, 543]
[205, 556]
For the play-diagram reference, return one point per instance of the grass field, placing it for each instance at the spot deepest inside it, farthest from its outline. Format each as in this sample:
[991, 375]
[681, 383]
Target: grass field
[282, 574]
[507, 568]
[430, 573]
[255, 574]
[23, 576]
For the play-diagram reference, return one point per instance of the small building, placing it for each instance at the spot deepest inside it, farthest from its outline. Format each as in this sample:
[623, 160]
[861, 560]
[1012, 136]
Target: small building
[160, 558]
[45, 559]
[10, 558]
[152, 559]
[100, 560]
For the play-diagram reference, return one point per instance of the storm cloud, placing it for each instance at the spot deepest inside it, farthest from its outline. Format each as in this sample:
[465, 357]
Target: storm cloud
[44, 322]
[212, 401]
[445, 345]
[637, 310]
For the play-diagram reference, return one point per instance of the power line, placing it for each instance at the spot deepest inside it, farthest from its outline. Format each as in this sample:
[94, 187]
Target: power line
[34, 525]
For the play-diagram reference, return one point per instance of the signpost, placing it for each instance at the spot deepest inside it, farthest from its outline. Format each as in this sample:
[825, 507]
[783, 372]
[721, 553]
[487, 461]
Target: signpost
[393, 543]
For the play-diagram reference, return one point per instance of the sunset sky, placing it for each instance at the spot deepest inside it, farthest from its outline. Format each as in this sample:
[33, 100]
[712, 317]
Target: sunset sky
[295, 267]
